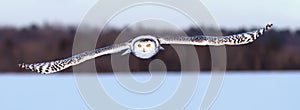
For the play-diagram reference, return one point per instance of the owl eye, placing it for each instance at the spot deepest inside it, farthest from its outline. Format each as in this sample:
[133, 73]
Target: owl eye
[148, 45]
[139, 45]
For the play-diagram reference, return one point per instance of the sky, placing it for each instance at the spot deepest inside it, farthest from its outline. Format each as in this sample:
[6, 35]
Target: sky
[227, 13]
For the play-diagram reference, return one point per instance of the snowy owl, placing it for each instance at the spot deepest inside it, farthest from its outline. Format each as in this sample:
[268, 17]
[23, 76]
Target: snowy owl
[145, 47]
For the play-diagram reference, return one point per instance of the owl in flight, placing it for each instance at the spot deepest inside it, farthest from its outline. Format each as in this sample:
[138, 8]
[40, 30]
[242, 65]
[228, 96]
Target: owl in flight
[145, 47]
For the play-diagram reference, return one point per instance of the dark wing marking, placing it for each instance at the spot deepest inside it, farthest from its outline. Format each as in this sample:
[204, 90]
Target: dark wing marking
[236, 39]
[58, 65]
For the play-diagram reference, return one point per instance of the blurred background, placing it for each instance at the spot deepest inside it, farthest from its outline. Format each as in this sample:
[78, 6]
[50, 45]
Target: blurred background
[263, 75]
[36, 31]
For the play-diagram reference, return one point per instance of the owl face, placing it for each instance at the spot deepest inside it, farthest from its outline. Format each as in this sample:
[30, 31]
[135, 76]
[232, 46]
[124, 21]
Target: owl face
[145, 46]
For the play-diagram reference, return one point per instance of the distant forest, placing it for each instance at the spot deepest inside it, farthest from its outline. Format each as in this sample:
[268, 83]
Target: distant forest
[278, 49]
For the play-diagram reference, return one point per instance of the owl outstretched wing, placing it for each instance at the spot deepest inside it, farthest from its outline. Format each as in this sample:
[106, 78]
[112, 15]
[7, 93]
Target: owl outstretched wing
[58, 65]
[237, 39]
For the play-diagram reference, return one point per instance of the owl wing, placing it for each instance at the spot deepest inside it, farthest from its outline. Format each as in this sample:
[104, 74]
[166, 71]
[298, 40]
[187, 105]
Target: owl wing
[58, 65]
[237, 39]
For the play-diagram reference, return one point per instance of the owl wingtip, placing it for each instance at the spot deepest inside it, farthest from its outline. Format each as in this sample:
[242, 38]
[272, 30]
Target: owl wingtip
[22, 65]
[269, 25]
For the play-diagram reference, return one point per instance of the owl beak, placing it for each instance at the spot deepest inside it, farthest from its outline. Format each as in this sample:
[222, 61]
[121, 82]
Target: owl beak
[144, 50]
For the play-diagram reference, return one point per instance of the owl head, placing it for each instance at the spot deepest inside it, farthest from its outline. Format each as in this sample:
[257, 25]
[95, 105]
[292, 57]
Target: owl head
[145, 46]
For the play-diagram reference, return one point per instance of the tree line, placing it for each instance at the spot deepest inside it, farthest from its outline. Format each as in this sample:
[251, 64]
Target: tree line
[278, 49]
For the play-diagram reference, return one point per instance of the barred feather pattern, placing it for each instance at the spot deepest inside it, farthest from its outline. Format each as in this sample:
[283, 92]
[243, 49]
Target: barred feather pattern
[58, 65]
[237, 39]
